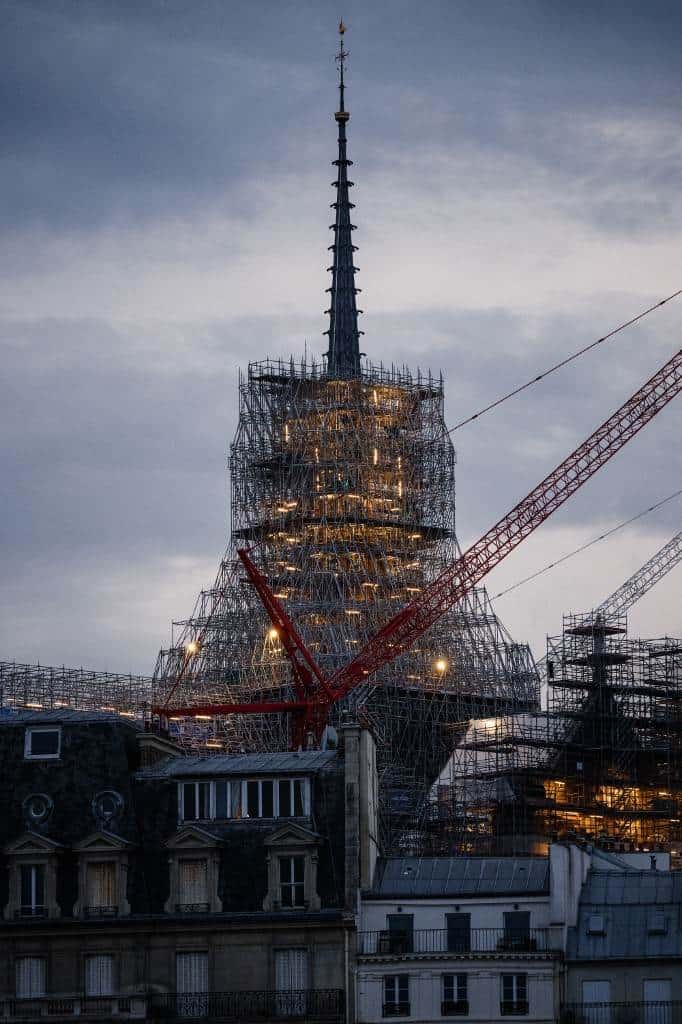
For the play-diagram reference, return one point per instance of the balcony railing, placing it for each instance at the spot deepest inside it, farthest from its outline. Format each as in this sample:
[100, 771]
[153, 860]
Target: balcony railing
[192, 908]
[101, 911]
[513, 1008]
[28, 911]
[317, 1006]
[400, 1009]
[297, 1004]
[65, 1007]
[622, 1013]
[454, 1008]
[439, 940]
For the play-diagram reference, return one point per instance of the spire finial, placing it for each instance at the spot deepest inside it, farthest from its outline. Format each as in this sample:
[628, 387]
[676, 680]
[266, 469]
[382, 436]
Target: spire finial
[343, 357]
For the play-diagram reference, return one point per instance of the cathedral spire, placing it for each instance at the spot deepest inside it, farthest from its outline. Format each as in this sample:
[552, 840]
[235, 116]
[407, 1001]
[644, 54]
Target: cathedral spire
[343, 356]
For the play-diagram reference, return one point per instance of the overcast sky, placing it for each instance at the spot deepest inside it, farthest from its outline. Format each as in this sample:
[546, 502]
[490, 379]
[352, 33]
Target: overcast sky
[165, 208]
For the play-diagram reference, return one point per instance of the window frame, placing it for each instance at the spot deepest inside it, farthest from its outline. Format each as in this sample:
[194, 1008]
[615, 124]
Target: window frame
[456, 1003]
[32, 730]
[518, 1005]
[243, 788]
[396, 1006]
[34, 906]
[40, 958]
[100, 955]
[294, 885]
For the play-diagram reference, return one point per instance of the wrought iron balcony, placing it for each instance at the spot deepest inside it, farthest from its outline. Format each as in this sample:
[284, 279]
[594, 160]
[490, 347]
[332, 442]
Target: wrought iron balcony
[454, 1008]
[622, 1013]
[423, 942]
[192, 908]
[401, 1009]
[27, 911]
[309, 1005]
[514, 1007]
[312, 1006]
[61, 1007]
[101, 911]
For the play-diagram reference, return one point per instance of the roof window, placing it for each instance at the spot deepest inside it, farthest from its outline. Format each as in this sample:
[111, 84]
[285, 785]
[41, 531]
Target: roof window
[596, 924]
[42, 742]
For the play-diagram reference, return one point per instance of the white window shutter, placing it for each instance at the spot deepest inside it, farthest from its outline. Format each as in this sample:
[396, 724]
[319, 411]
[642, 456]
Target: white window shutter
[30, 977]
[192, 972]
[99, 975]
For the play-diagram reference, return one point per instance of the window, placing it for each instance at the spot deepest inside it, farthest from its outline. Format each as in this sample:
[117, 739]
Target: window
[397, 995]
[99, 975]
[291, 982]
[191, 982]
[517, 930]
[37, 808]
[292, 881]
[193, 884]
[195, 801]
[459, 932]
[30, 977]
[400, 933]
[514, 995]
[44, 741]
[32, 890]
[455, 995]
[223, 799]
[100, 887]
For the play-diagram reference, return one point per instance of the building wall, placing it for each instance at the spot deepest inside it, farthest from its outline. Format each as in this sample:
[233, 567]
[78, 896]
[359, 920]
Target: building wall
[485, 913]
[484, 989]
[626, 977]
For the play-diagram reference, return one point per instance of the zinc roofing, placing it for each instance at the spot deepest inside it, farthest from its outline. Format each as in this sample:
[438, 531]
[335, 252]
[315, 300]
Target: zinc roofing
[460, 876]
[59, 716]
[305, 761]
[628, 915]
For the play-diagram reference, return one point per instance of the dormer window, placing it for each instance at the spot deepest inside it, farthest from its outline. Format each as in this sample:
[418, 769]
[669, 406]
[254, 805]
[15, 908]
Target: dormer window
[32, 890]
[41, 742]
[234, 799]
[291, 881]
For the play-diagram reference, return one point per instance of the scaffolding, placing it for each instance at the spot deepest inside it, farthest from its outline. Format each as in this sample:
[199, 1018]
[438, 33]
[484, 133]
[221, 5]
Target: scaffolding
[602, 764]
[46, 688]
[344, 492]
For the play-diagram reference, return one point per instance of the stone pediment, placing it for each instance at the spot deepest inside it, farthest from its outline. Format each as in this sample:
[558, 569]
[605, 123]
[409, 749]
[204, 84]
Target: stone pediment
[32, 843]
[293, 835]
[102, 842]
[192, 837]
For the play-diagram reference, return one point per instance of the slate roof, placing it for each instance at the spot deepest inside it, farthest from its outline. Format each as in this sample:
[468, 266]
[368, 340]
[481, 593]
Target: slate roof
[460, 876]
[306, 761]
[628, 915]
[60, 716]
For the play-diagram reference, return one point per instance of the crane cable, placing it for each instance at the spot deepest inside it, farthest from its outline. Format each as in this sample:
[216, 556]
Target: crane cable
[583, 547]
[557, 366]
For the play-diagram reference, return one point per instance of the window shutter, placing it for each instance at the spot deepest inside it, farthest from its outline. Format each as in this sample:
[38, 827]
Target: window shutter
[30, 977]
[193, 881]
[99, 975]
[100, 884]
[192, 972]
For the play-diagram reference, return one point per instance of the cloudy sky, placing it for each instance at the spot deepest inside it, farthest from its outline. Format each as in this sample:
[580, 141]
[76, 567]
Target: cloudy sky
[165, 188]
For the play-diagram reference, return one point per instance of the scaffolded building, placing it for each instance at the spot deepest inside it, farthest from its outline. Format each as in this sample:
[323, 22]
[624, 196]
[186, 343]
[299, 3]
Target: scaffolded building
[602, 764]
[343, 489]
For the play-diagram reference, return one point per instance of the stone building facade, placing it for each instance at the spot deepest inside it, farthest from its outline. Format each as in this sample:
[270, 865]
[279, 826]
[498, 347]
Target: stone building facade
[138, 882]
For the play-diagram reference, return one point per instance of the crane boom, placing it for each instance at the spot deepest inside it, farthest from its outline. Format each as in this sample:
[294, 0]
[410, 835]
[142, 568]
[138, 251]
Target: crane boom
[641, 582]
[452, 585]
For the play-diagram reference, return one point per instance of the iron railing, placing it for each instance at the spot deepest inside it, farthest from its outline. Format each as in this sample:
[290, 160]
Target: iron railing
[321, 1006]
[399, 1009]
[302, 1004]
[622, 1013]
[65, 1007]
[28, 911]
[101, 911]
[442, 940]
[514, 1008]
[192, 908]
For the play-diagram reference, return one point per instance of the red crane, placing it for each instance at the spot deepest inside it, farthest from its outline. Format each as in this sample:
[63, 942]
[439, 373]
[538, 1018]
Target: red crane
[316, 693]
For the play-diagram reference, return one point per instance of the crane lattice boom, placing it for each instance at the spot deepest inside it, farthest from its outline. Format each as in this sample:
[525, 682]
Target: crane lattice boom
[641, 582]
